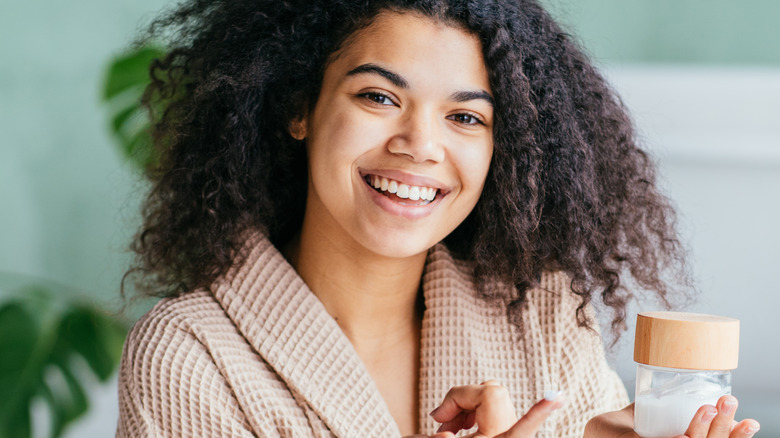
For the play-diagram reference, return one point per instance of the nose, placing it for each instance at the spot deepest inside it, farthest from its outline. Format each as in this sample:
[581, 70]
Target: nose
[419, 138]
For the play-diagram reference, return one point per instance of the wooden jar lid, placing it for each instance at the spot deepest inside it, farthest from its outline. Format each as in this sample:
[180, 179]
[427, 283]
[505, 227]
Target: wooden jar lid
[686, 340]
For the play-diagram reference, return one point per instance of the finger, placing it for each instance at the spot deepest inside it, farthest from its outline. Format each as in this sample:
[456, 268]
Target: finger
[468, 398]
[700, 424]
[456, 400]
[470, 421]
[722, 423]
[456, 424]
[491, 404]
[533, 419]
[745, 429]
[443, 435]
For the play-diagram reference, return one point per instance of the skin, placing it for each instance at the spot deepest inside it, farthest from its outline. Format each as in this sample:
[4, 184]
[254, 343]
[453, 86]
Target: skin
[408, 98]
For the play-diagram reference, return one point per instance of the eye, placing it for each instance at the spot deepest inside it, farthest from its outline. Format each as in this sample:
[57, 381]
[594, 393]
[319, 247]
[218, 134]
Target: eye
[466, 119]
[377, 98]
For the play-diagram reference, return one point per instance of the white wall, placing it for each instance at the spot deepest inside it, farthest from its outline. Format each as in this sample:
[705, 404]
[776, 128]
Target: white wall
[716, 134]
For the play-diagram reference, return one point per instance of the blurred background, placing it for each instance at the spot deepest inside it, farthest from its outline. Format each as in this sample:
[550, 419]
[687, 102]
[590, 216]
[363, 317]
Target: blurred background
[701, 78]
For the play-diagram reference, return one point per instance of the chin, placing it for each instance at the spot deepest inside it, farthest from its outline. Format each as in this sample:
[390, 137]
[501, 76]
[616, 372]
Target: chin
[394, 247]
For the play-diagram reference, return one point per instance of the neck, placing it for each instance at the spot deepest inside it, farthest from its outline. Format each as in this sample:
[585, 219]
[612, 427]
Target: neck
[373, 298]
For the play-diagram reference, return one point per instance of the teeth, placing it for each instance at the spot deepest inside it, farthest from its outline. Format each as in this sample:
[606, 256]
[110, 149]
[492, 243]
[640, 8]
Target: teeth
[414, 193]
[403, 191]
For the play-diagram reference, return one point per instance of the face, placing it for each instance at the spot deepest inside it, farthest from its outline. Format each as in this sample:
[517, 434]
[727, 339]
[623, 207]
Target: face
[400, 139]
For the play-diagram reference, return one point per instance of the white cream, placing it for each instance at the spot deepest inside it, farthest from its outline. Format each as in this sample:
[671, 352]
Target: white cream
[669, 415]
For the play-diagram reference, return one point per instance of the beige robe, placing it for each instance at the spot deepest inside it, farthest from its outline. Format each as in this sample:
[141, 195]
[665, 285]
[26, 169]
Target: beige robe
[258, 356]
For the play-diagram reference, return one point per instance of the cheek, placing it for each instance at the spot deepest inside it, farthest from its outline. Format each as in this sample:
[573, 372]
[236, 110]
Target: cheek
[475, 163]
[343, 136]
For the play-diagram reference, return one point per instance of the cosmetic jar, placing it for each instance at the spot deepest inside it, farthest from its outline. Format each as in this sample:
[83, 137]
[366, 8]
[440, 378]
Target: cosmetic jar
[684, 361]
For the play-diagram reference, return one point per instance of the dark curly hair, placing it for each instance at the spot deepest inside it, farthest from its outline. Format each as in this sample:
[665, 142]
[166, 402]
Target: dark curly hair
[568, 188]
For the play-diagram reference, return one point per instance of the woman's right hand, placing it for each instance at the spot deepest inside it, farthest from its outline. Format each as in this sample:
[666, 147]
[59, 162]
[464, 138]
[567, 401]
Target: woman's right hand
[709, 422]
[489, 407]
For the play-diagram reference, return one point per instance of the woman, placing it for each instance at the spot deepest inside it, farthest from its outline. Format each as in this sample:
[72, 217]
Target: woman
[366, 212]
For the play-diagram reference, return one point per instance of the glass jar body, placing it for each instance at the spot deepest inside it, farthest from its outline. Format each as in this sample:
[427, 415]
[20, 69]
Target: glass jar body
[667, 398]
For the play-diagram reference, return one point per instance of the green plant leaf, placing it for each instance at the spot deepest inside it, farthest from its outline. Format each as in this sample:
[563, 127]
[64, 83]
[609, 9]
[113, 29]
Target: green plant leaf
[41, 335]
[64, 395]
[126, 79]
[105, 334]
[129, 70]
[18, 338]
[122, 117]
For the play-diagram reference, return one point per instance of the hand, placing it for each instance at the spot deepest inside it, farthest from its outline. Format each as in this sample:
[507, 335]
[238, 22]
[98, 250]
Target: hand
[708, 422]
[489, 406]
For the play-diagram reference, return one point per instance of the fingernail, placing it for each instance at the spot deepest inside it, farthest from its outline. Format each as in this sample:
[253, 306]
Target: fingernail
[433, 412]
[752, 428]
[729, 405]
[709, 414]
[551, 395]
[440, 429]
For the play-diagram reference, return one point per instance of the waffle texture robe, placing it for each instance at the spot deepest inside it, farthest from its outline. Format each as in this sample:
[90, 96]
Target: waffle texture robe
[257, 355]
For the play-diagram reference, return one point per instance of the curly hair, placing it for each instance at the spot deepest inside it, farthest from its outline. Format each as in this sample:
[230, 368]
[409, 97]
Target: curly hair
[568, 187]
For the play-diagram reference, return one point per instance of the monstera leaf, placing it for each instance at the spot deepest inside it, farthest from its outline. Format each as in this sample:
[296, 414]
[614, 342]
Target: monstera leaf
[46, 337]
[125, 81]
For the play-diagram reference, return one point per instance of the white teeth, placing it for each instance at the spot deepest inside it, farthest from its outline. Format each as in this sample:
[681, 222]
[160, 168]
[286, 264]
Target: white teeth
[403, 191]
[414, 193]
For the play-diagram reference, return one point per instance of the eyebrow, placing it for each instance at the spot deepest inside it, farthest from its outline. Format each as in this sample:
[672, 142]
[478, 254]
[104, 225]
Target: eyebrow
[465, 96]
[398, 81]
[394, 78]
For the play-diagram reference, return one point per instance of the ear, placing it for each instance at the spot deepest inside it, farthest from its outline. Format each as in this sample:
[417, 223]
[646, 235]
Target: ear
[297, 128]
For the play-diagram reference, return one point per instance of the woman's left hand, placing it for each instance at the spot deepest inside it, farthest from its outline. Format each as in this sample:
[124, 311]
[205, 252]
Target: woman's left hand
[708, 422]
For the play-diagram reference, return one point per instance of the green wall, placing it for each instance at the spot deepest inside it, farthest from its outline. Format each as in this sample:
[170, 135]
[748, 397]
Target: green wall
[675, 31]
[68, 202]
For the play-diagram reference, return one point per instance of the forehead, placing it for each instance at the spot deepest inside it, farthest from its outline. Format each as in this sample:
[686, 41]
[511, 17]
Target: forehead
[415, 44]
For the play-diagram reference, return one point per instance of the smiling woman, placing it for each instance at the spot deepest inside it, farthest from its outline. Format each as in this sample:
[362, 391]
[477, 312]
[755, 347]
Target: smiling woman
[365, 212]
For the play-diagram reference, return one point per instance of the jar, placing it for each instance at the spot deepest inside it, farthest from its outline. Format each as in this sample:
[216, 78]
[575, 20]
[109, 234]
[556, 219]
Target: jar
[684, 361]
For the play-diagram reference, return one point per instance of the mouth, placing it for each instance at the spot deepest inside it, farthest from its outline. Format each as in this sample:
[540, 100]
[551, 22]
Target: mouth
[401, 193]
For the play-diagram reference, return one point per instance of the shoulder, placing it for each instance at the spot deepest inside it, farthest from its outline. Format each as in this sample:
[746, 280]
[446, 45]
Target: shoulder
[168, 358]
[173, 324]
[170, 339]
